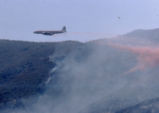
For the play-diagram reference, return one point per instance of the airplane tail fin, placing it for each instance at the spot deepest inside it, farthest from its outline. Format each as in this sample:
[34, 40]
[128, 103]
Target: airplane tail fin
[64, 29]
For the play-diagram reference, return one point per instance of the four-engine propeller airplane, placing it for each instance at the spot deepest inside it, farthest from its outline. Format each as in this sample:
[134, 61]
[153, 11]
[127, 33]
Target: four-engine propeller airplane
[50, 33]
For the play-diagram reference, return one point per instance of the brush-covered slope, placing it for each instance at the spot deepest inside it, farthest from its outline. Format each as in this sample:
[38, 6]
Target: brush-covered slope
[103, 76]
[25, 66]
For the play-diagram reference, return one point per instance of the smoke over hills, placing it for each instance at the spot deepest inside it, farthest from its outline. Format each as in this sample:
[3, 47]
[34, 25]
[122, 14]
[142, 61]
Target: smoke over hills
[93, 77]
[147, 56]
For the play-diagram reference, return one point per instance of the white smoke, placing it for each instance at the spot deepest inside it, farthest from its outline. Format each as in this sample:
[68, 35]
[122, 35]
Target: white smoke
[84, 80]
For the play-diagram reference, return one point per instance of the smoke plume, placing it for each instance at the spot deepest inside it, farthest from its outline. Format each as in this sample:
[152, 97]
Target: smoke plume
[90, 79]
[147, 56]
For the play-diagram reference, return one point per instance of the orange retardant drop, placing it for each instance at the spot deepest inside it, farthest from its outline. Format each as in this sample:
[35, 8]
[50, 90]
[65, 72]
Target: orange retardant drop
[147, 57]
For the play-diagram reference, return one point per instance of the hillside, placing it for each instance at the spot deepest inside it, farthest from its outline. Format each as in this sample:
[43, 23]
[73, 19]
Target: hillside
[139, 37]
[109, 75]
[25, 66]
[146, 34]
[149, 106]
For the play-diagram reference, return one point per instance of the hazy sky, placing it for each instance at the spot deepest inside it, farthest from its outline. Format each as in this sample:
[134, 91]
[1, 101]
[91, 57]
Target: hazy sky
[92, 19]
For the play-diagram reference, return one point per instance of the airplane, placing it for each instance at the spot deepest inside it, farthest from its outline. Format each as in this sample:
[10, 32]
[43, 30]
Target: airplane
[50, 33]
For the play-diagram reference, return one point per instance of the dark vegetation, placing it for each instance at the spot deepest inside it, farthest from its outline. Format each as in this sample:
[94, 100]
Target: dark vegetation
[25, 66]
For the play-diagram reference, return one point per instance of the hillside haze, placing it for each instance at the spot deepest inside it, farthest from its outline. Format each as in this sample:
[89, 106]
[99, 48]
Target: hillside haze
[116, 75]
